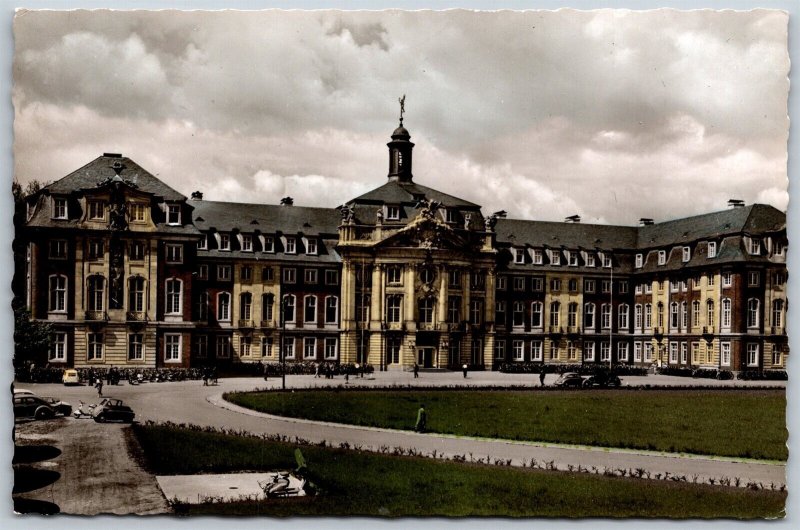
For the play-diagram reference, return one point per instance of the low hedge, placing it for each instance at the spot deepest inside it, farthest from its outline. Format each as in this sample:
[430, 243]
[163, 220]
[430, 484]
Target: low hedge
[583, 369]
[763, 375]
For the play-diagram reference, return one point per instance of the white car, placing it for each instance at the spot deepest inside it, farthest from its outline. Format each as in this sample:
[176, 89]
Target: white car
[71, 377]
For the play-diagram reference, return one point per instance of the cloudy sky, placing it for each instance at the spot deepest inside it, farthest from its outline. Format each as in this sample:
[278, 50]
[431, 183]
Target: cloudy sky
[613, 115]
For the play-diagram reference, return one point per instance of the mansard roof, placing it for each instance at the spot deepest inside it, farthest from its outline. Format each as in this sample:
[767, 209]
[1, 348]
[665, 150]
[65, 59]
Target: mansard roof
[100, 169]
[569, 235]
[265, 218]
[752, 219]
[396, 192]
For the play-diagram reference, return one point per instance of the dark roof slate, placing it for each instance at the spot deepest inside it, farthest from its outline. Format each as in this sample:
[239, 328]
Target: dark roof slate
[396, 192]
[269, 218]
[570, 235]
[100, 169]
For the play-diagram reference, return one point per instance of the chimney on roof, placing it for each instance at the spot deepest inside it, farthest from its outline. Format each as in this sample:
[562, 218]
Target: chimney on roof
[287, 201]
[735, 203]
[645, 221]
[197, 195]
[573, 219]
[113, 155]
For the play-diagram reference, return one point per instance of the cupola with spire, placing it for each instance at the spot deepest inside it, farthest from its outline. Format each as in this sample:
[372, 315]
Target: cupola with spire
[400, 149]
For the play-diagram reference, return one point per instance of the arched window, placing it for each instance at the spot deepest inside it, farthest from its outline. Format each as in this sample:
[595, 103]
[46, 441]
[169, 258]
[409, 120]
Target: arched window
[777, 313]
[331, 309]
[752, 313]
[245, 306]
[710, 315]
[726, 313]
[660, 315]
[267, 301]
[673, 316]
[96, 291]
[288, 308]
[555, 307]
[605, 316]
[224, 307]
[174, 290]
[637, 316]
[58, 293]
[623, 317]
[537, 308]
[136, 294]
[684, 316]
[310, 308]
[648, 316]
[696, 313]
[588, 316]
[572, 315]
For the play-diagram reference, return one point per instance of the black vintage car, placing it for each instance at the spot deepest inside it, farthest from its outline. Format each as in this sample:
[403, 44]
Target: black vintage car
[110, 409]
[29, 406]
[569, 379]
[603, 380]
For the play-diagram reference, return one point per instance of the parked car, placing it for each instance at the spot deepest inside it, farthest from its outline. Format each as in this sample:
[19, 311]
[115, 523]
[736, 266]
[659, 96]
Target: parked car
[61, 407]
[71, 377]
[28, 406]
[602, 379]
[568, 379]
[110, 409]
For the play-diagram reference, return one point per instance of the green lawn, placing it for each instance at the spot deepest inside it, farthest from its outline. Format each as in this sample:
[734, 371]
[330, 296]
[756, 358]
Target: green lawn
[740, 423]
[360, 483]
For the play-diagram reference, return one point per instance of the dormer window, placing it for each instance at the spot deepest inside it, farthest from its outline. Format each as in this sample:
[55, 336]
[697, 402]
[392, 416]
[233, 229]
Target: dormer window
[224, 242]
[452, 215]
[590, 260]
[778, 248]
[137, 210]
[572, 256]
[537, 257]
[269, 244]
[662, 257]
[291, 245]
[392, 213]
[687, 254]
[712, 249]
[311, 247]
[755, 246]
[59, 208]
[97, 210]
[607, 260]
[247, 243]
[519, 256]
[639, 261]
[202, 243]
[555, 257]
[173, 214]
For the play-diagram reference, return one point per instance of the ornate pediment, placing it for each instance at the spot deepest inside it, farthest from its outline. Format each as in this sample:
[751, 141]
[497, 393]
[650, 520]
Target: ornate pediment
[427, 232]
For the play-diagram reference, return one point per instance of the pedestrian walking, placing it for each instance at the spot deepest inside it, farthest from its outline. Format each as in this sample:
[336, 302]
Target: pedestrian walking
[541, 376]
[465, 371]
[318, 371]
[99, 387]
[416, 370]
[422, 419]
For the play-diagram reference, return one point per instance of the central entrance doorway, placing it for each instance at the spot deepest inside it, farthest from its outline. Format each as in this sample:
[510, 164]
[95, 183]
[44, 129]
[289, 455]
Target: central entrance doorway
[425, 356]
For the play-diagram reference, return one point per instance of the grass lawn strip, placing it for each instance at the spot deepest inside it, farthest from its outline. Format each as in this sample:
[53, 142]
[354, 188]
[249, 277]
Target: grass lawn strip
[746, 424]
[225, 401]
[362, 483]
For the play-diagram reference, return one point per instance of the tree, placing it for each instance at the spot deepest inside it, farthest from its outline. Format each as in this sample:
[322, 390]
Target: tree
[32, 339]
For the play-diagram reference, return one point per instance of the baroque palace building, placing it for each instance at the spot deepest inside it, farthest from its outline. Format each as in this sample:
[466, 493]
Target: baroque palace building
[130, 272]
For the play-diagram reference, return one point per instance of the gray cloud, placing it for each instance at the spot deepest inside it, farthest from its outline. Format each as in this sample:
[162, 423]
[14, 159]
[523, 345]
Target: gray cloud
[548, 111]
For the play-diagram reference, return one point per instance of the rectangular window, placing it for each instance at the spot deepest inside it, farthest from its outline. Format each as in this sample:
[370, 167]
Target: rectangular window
[519, 350]
[392, 213]
[454, 310]
[725, 353]
[331, 277]
[331, 348]
[673, 352]
[684, 353]
[674, 287]
[605, 286]
[58, 249]
[555, 257]
[310, 276]
[622, 351]
[605, 352]
[662, 257]
[623, 287]
[476, 312]
[555, 285]
[267, 275]
[224, 242]
[753, 278]
[537, 284]
[393, 305]
[500, 349]
[588, 351]
[174, 253]
[224, 273]
[247, 243]
[97, 210]
[536, 350]
[639, 289]
[454, 279]
[136, 347]
[451, 215]
[246, 273]
[648, 352]
[269, 244]
[648, 288]
[266, 346]
[752, 354]
[59, 208]
[291, 245]
[519, 283]
[590, 261]
[311, 247]
[136, 252]
[712, 249]
[309, 348]
[710, 280]
[538, 256]
[572, 258]
[588, 286]
[223, 346]
[138, 210]
[727, 279]
[639, 261]
[200, 350]
[696, 353]
[331, 310]
[58, 349]
[607, 261]
[394, 275]
[96, 250]
[245, 346]
[202, 243]
[289, 275]
[519, 255]
[94, 351]
[478, 281]
[288, 347]
[173, 214]
[755, 246]
[310, 309]
[637, 352]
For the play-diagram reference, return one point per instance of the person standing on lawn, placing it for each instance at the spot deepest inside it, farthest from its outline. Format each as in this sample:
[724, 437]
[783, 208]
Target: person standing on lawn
[416, 370]
[541, 376]
[422, 419]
